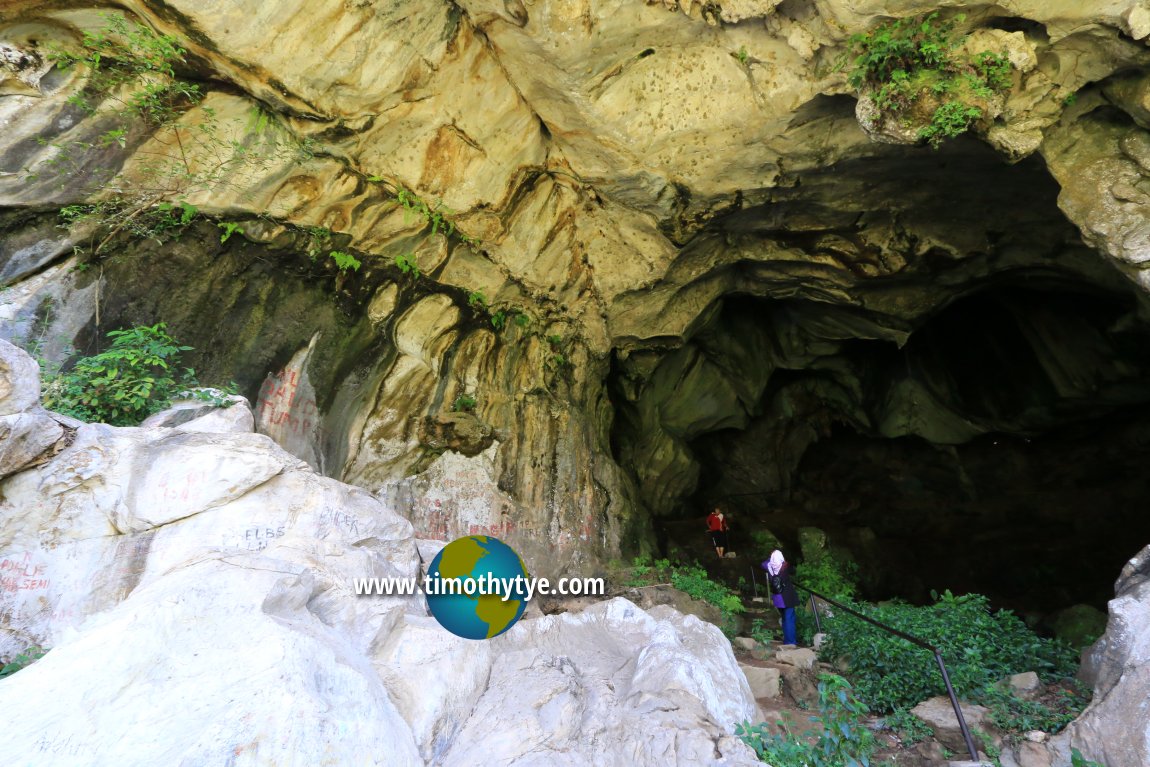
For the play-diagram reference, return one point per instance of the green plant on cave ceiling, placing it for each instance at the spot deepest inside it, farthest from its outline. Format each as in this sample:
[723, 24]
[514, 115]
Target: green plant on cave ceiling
[915, 71]
[134, 84]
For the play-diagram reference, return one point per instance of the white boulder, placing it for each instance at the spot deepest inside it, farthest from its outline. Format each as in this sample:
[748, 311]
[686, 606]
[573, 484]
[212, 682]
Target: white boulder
[1115, 728]
[196, 591]
[19, 380]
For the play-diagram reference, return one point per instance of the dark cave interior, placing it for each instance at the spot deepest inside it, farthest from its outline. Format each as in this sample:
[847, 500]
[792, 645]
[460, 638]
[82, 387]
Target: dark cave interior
[1038, 505]
[917, 354]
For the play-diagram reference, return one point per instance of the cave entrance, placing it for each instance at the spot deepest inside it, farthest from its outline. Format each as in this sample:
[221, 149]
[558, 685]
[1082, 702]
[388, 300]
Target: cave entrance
[916, 352]
[999, 449]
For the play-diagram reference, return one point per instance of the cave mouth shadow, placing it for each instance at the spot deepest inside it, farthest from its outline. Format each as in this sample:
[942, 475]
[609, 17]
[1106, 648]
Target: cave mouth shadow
[998, 451]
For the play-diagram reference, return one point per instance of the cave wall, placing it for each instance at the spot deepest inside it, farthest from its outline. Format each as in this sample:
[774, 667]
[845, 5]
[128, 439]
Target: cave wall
[622, 168]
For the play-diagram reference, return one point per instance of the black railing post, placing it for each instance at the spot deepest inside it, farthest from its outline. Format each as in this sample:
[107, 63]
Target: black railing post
[815, 610]
[957, 708]
[915, 641]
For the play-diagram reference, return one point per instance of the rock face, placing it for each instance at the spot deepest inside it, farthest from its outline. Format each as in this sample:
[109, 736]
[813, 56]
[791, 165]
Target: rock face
[19, 380]
[1115, 728]
[623, 229]
[938, 713]
[609, 174]
[195, 586]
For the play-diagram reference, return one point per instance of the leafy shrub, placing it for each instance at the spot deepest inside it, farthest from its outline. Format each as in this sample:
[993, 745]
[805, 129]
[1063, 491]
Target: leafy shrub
[842, 741]
[829, 575]
[345, 261]
[407, 264]
[904, 45]
[1013, 714]
[464, 403]
[135, 377]
[979, 647]
[950, 120]
[131, 77]
[764, 541]
[760, 633]
[912, 70]
[26, 658]
[228, 229]
[693, 581]
[690, 579]
[994, 68]
[122, 54]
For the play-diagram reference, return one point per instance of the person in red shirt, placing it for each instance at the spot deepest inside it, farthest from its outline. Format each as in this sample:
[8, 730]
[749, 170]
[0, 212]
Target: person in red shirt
[718, 527]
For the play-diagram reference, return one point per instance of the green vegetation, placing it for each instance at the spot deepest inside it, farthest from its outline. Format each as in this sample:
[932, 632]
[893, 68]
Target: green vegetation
[133, 80]
[464, 403]
[138, 80]
[842, 740]
[829, 575]
[318, 240]
[345, 261]
[407, 264]
[760, 633]
[229, 228]
[120, 55]
[559, 361]
[915, 73]
[1078, 760]
[690, 579]
[23, 660]
[136, 376]
[950, 120]
[513, 314]
[979, 647]
[1010, 713]
[693, 580]
[909, 728]
[436, 216]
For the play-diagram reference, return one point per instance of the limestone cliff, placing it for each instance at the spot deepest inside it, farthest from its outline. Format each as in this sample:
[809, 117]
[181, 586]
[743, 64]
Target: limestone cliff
[612, 171]
[592, 239]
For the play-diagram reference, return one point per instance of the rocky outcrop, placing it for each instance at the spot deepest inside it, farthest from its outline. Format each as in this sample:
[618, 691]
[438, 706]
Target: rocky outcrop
[612, 171]
[1114, 729]
[196, 587]
[19, 380]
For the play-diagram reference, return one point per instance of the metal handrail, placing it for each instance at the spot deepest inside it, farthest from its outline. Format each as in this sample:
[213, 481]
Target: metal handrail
[913, 640]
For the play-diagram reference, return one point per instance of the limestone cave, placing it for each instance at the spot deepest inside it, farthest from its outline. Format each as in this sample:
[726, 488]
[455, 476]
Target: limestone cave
[873, 277]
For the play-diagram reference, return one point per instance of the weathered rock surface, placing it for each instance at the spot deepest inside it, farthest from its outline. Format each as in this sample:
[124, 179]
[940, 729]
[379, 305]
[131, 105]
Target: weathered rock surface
[196, 590]
[233, 414]
[624, 169]
[627, 171]
[764, 682]
[26, 439]
[1025, 684]
[938, 713]
[19, 380]
[799, 657]
[1115, 728]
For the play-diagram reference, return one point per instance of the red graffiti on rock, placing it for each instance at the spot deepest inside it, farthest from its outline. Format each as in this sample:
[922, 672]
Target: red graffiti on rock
[280, 405]
[21, 574]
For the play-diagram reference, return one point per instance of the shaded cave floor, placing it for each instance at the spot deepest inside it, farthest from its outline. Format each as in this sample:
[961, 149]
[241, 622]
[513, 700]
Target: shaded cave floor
[1037, 525]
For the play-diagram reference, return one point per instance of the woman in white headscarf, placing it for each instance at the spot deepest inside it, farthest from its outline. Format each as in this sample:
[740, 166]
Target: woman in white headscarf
[783, 594]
